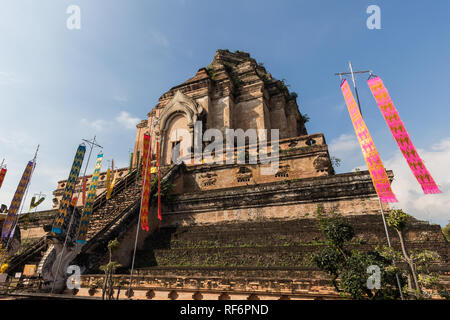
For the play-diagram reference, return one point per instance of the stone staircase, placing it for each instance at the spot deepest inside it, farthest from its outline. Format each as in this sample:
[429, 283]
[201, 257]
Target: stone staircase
[105, 217]
[114, 217]
[264, 256]
[125, 194]
[44, 257]
[273, 244]
[30, 255]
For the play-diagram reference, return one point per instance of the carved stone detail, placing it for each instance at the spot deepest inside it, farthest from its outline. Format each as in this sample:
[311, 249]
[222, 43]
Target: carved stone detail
[208, 179]
[283, 170]
[54, 263]
[180, 103]
[322, 164]
[244, 174]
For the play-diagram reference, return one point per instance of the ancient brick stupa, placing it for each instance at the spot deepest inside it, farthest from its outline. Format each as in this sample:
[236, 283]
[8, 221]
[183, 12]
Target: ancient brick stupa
[227, 230]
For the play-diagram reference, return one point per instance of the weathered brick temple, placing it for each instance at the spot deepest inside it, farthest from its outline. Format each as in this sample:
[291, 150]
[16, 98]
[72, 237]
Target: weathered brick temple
[228, 231]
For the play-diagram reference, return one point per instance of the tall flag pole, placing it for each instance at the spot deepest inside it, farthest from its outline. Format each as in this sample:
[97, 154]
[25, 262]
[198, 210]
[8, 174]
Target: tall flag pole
[401, 136]
[147, 143]
[69, 189]
[89, 206]
[369, 146]
[140, 212]
[91, 144]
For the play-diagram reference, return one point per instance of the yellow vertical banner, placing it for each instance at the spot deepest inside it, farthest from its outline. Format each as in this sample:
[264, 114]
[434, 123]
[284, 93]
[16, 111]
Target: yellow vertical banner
[111, 185]
[89, 206]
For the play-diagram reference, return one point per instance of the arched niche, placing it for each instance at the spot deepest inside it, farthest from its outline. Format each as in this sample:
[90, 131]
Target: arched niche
[172, 134]
[180, 112]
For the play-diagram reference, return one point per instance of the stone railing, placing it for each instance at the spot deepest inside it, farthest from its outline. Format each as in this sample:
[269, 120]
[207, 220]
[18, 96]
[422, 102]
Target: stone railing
[145, 286]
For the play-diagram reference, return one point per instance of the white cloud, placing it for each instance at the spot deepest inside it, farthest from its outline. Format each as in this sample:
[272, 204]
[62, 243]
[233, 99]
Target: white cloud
[443, 145]
[346, 148]
[343, 144]
[98, 125]
[434, 207]
[17, 141]
[8, 78]
[126, 120]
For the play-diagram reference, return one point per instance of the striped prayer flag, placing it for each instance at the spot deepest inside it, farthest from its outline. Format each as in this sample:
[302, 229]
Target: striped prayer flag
[17, 200]
[2, 175]
[68, 191]
[377, 172]
[400, 135]
[89, 206]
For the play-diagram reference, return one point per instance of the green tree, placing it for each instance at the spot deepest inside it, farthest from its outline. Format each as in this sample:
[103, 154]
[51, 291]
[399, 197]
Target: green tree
[418, 273]
[446, 231]
[336, 162]
[398, 220]
[166, 190]
[348, 269]
[109, 269]
[305, 118]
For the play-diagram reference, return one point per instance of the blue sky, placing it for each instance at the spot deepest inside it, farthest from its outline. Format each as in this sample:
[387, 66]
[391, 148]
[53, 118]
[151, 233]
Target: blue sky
[58, 86]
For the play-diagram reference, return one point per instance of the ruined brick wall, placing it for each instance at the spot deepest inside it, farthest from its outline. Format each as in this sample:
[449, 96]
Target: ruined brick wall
[234, 92]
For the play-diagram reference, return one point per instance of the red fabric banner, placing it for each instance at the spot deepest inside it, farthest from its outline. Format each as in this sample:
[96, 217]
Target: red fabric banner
[2, 176]
[159, 180]
[378, 174]
[146, 182]
[400, 135]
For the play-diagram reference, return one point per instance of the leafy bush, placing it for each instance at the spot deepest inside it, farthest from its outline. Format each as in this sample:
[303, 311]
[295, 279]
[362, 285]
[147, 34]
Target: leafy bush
[349, 268]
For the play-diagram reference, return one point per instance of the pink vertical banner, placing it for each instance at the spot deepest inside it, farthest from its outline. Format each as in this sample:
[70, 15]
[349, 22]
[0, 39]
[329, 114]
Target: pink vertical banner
[400, 135]
[377, 172]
